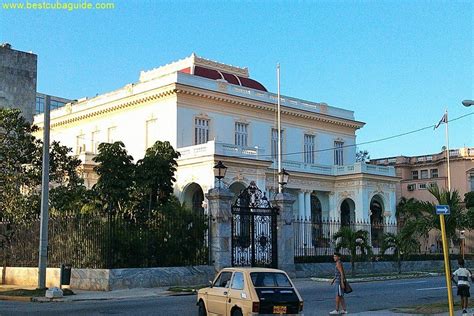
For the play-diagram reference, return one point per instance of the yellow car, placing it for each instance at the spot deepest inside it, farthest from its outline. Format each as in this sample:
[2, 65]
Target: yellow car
[249, 291]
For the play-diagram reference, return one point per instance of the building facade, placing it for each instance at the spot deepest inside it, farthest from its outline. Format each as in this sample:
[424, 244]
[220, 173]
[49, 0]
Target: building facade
[418, 173]
[43, 100]
[212, 112]
[18, 73]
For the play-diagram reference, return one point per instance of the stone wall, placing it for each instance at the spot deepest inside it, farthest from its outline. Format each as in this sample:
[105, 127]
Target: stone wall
[114, 279]
[304, 270]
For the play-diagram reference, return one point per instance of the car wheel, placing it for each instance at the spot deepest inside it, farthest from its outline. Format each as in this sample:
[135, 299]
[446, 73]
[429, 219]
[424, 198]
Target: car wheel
[202, 309]
[237, 312]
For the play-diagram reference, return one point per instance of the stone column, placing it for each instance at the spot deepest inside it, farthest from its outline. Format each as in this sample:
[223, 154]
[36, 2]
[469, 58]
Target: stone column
[285, 233]
[219, 203]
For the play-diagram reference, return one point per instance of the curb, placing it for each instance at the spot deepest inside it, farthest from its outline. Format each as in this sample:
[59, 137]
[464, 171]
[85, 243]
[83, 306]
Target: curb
[16, 298]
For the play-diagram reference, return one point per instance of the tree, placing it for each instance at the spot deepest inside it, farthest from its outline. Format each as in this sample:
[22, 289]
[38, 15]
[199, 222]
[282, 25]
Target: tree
[352, 241]
[362, 156]
[469, 199]
[401, 244]
[116, 173]
[155, 174]
[423, 218]
[20, 176]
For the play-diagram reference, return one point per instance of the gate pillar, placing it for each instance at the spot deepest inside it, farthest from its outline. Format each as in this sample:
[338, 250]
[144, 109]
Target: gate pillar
[219, 201]
[285, 234]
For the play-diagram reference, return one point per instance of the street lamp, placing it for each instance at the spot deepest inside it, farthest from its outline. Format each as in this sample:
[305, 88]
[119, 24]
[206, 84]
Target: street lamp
[467, 103]
[219, 171]
[283, 177]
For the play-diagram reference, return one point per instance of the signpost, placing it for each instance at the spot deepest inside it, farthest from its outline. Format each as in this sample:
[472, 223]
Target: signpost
[442, 210]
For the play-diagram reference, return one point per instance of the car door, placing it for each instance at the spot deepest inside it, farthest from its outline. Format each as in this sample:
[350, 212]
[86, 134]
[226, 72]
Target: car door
[237, 294]
[217, 294]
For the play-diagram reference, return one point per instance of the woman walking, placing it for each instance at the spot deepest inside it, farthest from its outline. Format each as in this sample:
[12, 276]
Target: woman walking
[339, 278]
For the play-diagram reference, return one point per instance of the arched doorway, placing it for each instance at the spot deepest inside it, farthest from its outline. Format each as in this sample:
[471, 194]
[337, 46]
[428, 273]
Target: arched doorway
[376, 220]
[316, 221]
[193, 197]
[347, 213]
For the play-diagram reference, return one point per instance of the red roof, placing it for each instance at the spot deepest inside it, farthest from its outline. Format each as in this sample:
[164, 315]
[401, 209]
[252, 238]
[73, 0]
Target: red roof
[230, 78]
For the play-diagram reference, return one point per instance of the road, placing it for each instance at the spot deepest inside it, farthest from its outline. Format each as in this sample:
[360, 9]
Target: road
[318, 297]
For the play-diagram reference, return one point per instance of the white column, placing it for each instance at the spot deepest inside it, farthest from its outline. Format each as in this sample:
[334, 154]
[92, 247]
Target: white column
[301, 212]
[307, 215]
[307, 205]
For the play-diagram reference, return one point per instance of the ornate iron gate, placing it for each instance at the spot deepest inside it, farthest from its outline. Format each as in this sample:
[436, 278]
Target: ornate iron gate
[254, 230]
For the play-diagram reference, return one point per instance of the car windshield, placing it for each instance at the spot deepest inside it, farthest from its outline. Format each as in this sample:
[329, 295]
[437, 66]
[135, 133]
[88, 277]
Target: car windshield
[269, 279]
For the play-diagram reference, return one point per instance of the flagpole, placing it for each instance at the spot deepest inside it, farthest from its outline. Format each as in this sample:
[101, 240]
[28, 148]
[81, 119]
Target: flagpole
[280, 186]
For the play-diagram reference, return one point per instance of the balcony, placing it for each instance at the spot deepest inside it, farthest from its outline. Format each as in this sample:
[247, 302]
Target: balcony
[216, 148]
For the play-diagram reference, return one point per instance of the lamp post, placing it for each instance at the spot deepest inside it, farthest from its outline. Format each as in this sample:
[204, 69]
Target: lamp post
[219, 171]
[283, 177]
[467, 103]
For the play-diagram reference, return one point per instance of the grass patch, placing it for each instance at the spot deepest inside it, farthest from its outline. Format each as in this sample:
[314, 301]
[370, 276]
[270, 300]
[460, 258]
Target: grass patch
[23, 292]
[186, 289]
[428, 309]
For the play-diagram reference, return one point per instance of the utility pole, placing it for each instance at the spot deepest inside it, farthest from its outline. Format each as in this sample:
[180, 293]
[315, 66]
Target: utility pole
[43, 246]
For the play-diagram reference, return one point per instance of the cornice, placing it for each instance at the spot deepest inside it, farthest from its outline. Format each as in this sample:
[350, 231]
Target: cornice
[107, 108]
[175, 88]
[221, 97]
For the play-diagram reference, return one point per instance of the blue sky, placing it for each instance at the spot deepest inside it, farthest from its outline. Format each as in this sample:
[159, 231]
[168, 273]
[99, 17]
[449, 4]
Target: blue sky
[397, 64]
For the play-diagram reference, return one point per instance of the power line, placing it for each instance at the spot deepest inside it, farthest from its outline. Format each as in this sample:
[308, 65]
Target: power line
[83, 137]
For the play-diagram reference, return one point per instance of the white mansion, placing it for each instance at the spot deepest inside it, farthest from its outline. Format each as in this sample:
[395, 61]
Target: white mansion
[210, 111]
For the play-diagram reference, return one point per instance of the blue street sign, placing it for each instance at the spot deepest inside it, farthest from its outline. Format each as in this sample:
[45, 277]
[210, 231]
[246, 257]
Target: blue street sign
[442, 210]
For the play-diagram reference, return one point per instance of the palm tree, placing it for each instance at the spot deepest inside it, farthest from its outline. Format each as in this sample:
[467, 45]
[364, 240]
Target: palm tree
[402, 244]
[421, 217]
[353, 240]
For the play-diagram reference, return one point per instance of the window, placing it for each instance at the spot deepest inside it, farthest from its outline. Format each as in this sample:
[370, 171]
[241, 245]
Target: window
[434, 173]
[309, 148]
[39, 105]
[424, 174]
[414, 175]
[471, 180]
[54, 104]
[80, 145]
[238, 281]
[241, 134]
[275, 142]
[201, 131]
[95, 141]
[422, 186]
[151, 132]
[270, 279]
[411, 187]
[223, 279]
[338, 153]
[111, 134]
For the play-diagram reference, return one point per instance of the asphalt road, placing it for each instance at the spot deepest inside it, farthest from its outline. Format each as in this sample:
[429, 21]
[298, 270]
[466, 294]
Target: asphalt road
[318, 297]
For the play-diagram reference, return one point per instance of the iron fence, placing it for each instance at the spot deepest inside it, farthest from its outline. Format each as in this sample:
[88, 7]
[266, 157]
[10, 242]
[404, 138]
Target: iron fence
[316, 237]
[98, 241]
[314, 240]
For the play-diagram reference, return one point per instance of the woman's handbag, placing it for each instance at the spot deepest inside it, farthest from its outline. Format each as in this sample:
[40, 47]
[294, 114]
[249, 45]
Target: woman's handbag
[347, 287]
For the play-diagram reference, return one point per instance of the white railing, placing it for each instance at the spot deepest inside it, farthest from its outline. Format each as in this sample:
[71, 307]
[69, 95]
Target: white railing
[223, 149]
[264, 96]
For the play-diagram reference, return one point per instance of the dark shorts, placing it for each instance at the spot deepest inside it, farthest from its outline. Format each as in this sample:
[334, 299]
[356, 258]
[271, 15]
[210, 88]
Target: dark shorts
[463, 290]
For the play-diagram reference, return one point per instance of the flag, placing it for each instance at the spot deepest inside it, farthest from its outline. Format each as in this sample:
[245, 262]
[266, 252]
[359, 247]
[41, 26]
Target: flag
[444, 119]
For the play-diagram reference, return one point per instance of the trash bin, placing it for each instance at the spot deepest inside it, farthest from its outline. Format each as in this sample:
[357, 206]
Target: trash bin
[65, 274]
